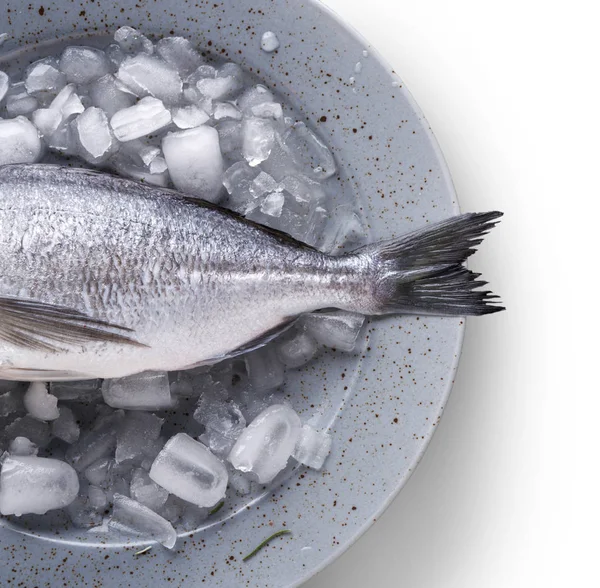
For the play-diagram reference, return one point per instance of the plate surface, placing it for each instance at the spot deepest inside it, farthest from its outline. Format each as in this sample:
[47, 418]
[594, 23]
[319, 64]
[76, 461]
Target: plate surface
[382, 405]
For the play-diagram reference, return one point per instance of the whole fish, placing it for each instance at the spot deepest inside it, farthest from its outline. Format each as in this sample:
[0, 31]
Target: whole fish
[102, 277]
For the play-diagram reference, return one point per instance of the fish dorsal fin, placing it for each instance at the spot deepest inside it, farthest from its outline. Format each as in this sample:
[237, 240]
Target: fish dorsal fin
[45, 327]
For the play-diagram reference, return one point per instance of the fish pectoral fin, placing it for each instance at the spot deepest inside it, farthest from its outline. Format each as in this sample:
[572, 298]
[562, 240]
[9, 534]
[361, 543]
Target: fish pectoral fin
[45, 327]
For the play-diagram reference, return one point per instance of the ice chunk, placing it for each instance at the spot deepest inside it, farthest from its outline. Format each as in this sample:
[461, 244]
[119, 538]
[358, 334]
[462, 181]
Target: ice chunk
[115, 55]
[4, 85]
[132, 518]
[83, 65]
[95, 444]
[94, 135]
[147, 492]
[189, 470]
[141, 152]
[36, 431]
[338, 328]
[97, 472]
[224, 110]
[132, 41]
[65, 427]
[19, 102]
[97, 498]
[240, 483]
[272, 205]
[224, 423]
[230, 136]
[309, 152]
[217, 88]
[158, 166]
[82, 514]
[262, 184]
[67, 102]
[39, 404]
[344, 230]
[44, 76]
[192, 517]
[22, 446]
[136, 432]
[179, 53]
[265, 371]
[252, 97]
[258, 140]
[11, 401]
[272, 110]
[266, 445]
[269, 42]
[188, 117]
[128, 169]
[145, 117]
[145, 391]
[47, 120]
[147, 75]
[36, 485]
[195, 161]
[80, 391]
[296, 349]
[111, 95]
[173, 509]
[312, 447]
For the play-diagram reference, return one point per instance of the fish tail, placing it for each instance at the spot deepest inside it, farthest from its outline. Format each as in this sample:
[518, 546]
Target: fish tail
[422, 272]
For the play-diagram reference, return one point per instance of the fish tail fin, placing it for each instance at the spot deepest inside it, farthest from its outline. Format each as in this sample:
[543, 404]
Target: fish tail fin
[422, 272]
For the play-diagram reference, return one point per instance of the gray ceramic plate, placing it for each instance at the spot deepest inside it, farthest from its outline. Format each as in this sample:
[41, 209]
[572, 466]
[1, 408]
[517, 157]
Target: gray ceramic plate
[382, 404]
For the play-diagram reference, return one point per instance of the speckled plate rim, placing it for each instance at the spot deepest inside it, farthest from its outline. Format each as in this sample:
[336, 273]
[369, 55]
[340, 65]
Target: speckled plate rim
[461, 331]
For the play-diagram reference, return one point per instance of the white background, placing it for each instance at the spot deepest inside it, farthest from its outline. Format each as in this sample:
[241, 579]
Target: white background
[507, 494]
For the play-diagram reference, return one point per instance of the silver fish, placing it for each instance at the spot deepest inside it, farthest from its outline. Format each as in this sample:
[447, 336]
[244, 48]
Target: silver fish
[102, 277]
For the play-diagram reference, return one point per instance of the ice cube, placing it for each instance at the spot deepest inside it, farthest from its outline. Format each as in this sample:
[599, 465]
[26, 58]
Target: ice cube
[179, 53]
[312, 447]
[344, 231]
[11, 401]
[230, 136]
[36, 485]
[145, 391]
[132, 518]
[147, 492]
[195, 161]
[311, 155]
[252, 97]
[272, 205]
[4, 85]
[22, 446]
[296, 349]
[83, 65]
[39, 404]
[65, 427]
[266, 445]
[145, 117]
[337, 328]
[67, 102]
[258, 140]
[189, 470]
[94, 136]
[19, 102]
[269, 42]
[47, 120]
[239, 482]
[97, 498]
[188, 117]
[96, 443]
[132, 41]
[265, 371]
[79, 391]
[97, 472]
[226, 110]
[147, 75]
[36, 431]
[44, 76]
[111, 95]
[136, 432]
